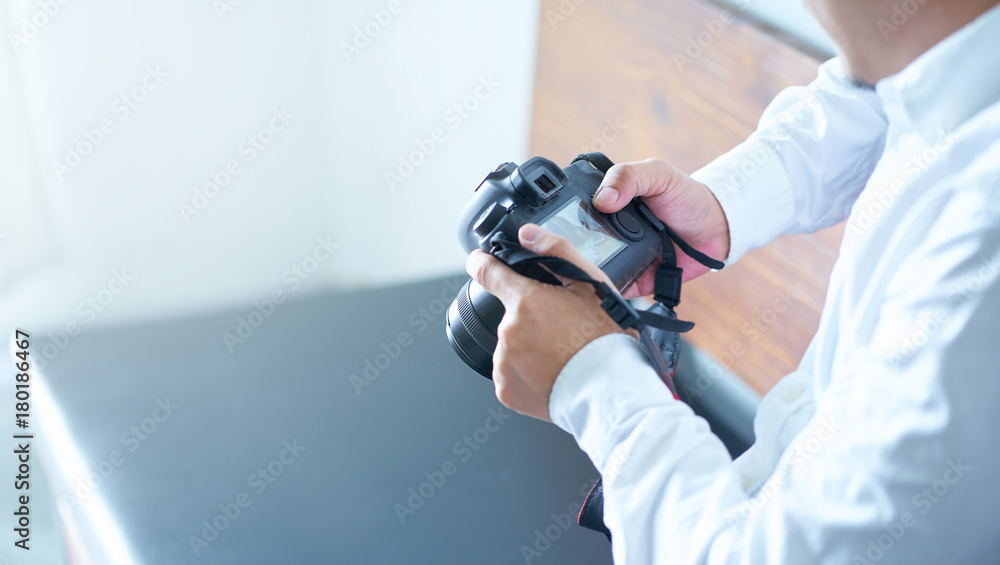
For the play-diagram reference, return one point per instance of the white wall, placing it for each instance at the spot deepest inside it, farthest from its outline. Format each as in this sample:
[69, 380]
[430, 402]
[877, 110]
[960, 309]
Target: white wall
[323, 176]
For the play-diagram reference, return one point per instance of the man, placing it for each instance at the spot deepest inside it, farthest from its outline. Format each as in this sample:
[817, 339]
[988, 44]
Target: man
[880, 447]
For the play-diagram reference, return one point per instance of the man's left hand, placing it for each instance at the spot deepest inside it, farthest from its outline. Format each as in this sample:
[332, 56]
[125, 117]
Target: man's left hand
[544, 325]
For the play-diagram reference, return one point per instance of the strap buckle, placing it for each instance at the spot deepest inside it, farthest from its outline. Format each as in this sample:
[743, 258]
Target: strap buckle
[617, 307]
[667, 286]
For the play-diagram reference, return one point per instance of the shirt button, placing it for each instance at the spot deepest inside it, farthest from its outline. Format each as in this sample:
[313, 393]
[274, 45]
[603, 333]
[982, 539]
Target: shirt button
[746, 482]
[792, 392]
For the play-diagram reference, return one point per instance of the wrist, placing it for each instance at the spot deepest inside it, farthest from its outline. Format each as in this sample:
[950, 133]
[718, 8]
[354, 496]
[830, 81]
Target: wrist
[591, 402]
[720, 235]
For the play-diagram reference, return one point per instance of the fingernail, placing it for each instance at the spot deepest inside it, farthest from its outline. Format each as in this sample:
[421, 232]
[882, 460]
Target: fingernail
[605, 196]
[529, 233]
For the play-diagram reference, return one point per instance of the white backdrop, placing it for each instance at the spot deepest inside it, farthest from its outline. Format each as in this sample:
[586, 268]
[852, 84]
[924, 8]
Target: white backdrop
[114, 115]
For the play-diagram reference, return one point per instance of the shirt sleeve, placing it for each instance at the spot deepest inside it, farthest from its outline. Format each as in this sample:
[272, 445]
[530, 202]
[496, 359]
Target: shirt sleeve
[803, 168]
[897, 465]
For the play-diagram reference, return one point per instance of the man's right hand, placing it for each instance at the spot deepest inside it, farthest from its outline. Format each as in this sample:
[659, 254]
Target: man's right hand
[684, 204]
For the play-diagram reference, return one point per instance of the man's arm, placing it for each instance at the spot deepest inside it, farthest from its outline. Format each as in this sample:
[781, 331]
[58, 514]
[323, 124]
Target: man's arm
[901, 448]
[801, 171]
[804, 167]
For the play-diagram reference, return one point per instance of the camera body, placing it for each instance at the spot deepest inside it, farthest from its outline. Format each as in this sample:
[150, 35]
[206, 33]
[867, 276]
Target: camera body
[623, 244]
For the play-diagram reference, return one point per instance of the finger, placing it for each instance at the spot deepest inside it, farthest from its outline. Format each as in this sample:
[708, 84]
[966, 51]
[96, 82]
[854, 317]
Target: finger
[543, 242]
[652, 178]
[641, 287]
[498, 279]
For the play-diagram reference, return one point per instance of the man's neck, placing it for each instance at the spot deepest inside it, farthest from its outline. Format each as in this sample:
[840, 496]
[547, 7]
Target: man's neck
[905, 37]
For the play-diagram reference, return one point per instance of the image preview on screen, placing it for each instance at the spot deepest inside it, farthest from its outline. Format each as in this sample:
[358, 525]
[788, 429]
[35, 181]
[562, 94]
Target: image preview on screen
[575, 222]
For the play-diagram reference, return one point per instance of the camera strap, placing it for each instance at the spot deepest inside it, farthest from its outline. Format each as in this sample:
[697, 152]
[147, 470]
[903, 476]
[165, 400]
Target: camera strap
[545, 268]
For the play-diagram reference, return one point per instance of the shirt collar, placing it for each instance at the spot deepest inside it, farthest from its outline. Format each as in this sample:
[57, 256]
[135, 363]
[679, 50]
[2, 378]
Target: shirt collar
[950, 83]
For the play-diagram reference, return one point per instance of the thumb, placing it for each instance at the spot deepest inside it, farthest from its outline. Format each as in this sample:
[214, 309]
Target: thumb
[652, 178]
[543, 242]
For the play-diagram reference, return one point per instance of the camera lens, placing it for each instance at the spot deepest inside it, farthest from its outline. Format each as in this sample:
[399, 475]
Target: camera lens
[472, 323]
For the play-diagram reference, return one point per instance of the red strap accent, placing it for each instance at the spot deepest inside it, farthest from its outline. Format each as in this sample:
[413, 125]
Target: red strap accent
[584, 505]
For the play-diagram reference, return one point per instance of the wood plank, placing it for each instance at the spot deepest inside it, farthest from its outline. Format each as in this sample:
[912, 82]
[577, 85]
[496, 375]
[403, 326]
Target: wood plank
[606, 62]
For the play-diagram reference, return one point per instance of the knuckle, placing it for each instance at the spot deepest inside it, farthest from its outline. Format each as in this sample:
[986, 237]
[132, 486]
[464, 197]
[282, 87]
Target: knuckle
[631, 167]
[523, 309]
[504, 395]
[501, 368]
[621, 173]
[470, 263]
[503, 391]
[507, 331]
[513, 334]
[481, 269]
[662, 169]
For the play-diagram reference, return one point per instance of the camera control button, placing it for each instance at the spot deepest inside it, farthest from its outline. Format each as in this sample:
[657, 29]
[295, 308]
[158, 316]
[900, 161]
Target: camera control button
[489, 219]
[627, 225]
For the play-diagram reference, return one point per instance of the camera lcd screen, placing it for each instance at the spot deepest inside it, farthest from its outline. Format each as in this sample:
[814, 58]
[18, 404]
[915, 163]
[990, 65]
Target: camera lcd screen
[576, 222]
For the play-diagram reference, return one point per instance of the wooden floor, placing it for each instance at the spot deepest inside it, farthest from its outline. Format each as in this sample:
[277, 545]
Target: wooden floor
[608, 79]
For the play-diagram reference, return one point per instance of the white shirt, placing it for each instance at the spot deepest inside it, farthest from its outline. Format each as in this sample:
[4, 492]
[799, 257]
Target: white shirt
[881, 447]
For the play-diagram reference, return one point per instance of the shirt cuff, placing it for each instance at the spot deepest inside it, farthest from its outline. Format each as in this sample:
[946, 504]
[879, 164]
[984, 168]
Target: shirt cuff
[754, 219]
[604, 384]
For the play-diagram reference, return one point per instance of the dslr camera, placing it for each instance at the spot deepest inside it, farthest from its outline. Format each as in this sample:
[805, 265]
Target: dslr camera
[623, 244]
